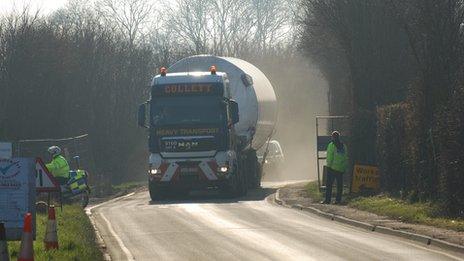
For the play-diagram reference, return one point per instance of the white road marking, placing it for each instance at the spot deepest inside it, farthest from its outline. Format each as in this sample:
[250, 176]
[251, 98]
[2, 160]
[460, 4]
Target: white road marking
[124, 249]
[88, 210]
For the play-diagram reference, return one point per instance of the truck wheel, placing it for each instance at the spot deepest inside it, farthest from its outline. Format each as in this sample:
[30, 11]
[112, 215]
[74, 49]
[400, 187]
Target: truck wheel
[232, 189]
[253, 170]
[243, 188]
[156, 193]
[257, 181]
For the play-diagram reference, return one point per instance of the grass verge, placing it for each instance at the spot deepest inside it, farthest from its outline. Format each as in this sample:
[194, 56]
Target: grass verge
[76, 237]
[417, 213]
[128, 186]
[313, 191]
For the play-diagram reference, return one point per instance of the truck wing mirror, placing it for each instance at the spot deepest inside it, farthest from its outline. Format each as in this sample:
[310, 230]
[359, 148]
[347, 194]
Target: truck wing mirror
[142, 115]
[234, 111]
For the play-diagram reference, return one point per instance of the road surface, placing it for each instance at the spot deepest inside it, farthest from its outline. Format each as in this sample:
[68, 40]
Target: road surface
[204, 227]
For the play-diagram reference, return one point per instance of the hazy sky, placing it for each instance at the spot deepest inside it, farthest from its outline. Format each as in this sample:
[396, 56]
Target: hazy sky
[45, 6]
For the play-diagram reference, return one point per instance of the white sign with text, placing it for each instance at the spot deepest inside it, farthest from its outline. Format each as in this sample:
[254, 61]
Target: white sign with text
[17, 194]
[6, 150]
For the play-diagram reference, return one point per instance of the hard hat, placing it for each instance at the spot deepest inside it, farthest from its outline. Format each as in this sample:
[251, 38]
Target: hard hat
[54, 151]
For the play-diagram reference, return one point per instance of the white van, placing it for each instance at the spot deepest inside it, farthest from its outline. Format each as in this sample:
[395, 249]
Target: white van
[274, 157]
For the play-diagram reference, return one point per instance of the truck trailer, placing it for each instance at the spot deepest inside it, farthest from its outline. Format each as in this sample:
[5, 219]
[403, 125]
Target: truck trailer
[206, 118]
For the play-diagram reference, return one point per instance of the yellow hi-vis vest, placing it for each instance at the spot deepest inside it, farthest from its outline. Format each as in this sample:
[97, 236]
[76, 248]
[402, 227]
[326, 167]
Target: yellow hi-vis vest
[59, 167]
[337, 160]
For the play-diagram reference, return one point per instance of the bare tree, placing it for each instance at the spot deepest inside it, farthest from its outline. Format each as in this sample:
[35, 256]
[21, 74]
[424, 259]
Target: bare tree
[74, 14]
[190, 20]
[271, 21]
[129, 16]
[232, 26]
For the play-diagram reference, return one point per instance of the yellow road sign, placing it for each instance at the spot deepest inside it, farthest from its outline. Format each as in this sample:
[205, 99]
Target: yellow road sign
[365, 177]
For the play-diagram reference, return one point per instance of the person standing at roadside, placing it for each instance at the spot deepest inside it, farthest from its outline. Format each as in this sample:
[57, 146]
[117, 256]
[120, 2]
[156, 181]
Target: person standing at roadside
[337, 162]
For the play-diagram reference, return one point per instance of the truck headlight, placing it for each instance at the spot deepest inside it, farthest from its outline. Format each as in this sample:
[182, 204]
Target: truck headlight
[154, 171]
[223, 169]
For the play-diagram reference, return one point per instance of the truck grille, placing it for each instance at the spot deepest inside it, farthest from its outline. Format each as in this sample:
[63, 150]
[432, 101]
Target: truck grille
[189, 171]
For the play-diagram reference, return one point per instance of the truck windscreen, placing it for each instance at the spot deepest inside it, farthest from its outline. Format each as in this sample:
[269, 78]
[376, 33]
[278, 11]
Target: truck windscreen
[185, 110]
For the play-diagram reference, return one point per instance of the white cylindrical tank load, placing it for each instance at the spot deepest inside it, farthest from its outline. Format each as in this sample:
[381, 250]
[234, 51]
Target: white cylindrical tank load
[250, 88]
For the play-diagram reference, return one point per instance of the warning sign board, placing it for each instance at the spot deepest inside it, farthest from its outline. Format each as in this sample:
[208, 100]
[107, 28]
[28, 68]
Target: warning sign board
[44, 180]
[365, 178]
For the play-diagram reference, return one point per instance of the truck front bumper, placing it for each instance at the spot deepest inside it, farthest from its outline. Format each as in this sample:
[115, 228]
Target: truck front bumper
[190, 185]
[190, 174]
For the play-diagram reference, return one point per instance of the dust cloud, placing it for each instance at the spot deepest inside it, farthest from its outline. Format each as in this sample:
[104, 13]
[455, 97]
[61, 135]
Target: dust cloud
[302, 95]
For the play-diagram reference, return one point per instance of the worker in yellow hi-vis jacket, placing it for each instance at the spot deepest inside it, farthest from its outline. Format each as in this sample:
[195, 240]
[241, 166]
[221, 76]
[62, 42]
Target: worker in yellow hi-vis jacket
[337, 163]
[59, 167]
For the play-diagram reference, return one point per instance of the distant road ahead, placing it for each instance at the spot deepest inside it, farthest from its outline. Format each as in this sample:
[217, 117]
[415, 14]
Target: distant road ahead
[207, 228]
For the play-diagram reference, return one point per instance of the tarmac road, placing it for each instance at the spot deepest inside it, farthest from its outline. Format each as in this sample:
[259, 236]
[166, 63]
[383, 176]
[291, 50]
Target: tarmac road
[204, 227]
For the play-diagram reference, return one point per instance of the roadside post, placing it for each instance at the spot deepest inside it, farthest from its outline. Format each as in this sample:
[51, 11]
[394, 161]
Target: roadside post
[17, 195]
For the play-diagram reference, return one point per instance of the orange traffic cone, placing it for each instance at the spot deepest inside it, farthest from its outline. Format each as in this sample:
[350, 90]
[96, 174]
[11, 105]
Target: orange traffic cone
[4, 256]
[26, 252]
[51, 236]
